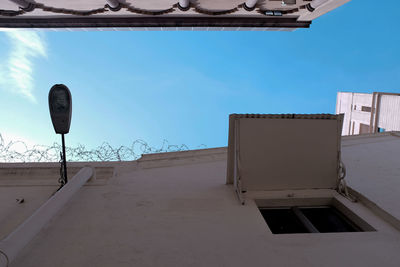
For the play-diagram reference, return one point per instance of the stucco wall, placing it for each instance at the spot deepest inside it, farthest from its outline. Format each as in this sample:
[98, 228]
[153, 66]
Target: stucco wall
[169, 210]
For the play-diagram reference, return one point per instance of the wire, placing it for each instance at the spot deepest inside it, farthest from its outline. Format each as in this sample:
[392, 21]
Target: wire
[18, 151]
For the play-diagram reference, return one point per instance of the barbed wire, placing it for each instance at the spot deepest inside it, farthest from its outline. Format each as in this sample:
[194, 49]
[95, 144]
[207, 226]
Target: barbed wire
[19, 151]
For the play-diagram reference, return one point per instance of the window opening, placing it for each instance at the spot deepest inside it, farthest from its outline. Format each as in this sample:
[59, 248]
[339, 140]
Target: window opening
[295, 220]
[366, 109]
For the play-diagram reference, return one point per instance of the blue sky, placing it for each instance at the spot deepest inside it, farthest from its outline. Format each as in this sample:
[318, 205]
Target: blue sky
[181, 86]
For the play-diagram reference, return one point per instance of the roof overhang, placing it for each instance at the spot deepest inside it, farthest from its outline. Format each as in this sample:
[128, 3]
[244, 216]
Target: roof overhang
[163, 14]
[158, 23]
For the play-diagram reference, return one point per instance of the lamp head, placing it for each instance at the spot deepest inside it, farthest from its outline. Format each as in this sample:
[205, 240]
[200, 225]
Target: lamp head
[60, 105]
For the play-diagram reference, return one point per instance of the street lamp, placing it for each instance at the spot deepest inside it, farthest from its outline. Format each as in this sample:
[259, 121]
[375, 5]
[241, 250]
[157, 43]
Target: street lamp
[60, 105]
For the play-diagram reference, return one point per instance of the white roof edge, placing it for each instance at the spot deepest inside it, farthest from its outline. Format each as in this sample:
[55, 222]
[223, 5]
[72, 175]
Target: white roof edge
[371, 135]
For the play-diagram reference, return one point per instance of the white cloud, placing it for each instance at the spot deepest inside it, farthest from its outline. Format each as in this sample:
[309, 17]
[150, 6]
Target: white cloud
[17, 75]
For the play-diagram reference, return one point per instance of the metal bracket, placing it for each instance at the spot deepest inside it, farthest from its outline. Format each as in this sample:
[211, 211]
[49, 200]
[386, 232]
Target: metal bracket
[239, 193]
[342, 186]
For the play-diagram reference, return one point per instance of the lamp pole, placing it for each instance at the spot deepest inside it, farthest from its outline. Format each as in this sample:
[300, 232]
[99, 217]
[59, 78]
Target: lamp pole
[64, 159]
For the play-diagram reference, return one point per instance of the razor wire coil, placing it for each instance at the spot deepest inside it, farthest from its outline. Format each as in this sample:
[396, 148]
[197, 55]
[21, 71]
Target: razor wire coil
[19, 151]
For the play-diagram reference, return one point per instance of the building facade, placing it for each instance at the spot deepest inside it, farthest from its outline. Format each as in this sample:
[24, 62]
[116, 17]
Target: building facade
[179, 208]
[368, 113]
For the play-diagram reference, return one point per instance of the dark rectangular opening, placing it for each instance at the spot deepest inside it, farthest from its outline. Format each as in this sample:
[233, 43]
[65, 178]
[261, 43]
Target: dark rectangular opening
[322, 219]
[366, 109]
[283, 221]
[364, 128]
[329, 220]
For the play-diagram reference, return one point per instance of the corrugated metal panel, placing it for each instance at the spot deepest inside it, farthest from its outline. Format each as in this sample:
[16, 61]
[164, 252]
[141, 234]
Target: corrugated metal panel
[389, 113]
[285, 116]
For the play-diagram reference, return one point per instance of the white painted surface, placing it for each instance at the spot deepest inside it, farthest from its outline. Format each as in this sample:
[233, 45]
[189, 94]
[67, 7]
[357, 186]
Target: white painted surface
[251, 3]
[11, 246]
[327, 7]
[386, 107]
[351, 105]
[184, 3]
[275, 154]
[21, 3]
[389, 113]
[344, 106]
[318, 3]
[211, 5]
[374, 168]
[165, 210]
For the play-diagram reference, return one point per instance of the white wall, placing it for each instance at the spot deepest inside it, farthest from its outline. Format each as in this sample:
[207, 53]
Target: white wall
[351, 105]
[389, 113]
[185, 215]
[343, 106]
[388, 110]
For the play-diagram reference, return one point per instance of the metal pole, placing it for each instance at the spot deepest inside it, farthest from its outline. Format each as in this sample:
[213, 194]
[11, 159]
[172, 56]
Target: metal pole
[64, 159]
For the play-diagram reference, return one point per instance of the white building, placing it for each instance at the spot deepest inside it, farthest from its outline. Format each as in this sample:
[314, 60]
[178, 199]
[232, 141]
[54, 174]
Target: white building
[369, 113]
[185, 208]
